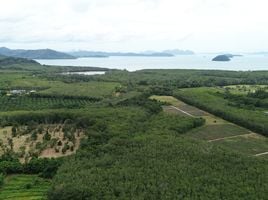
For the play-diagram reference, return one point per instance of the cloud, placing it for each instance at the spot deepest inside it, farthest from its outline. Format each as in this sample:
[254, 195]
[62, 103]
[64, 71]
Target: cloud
[202, 25]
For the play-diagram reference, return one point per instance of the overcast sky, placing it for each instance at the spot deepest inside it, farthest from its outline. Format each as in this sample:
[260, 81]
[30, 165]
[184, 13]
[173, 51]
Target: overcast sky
[135, 25]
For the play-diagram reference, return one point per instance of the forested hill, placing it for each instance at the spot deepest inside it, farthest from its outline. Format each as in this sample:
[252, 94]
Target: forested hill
[35, 54]
[8, 63]
[17, 63]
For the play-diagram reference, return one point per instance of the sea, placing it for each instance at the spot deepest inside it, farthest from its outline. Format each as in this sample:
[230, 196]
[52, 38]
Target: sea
[198, 61]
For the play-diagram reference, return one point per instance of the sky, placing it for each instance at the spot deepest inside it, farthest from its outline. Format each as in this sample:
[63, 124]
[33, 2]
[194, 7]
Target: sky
[135, 25]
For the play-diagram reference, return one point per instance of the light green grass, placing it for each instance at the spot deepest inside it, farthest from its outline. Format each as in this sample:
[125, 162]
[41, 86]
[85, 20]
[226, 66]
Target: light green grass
[9, 81]
[89, 89]
[244, 89]
[15, 188]
[248, 144]
[215, 131]
[179, 104]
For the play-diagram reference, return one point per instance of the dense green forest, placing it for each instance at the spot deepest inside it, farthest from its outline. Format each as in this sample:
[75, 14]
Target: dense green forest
[131, 147]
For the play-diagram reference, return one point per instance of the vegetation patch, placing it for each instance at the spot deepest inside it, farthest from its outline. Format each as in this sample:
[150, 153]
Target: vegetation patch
[40, 140]
[216, 131]
[248, 144]
[24, 187]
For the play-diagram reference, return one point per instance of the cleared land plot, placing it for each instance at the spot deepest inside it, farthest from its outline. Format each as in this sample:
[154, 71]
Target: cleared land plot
[216, 131]
[219, 131]
[173, 110]
[181, 105]
[251, 144]
[24, 187]
[42, 141]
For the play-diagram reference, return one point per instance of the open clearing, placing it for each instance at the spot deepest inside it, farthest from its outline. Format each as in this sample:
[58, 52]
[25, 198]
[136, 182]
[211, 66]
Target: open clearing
[180, 105]
[244, 89]
[32, 141]
[24, 187]
[217, 130]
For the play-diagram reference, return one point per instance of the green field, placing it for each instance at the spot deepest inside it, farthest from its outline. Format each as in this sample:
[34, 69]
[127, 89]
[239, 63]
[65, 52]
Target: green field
[97, 89]
[88, 89]
[216, 131]
[244, 89]
[214, 101]
[248, 144]
[125, 135]
[39, 103]
[24, 187]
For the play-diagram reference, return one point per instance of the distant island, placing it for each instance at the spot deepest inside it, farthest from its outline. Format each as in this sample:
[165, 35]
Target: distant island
[35, 54]
[264, 53]
[225, 57]
[101, 54]
[166, 53]
[222, 58]
[179, 52]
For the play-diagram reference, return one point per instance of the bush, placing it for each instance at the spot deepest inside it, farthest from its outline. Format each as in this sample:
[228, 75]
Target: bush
[1, 179]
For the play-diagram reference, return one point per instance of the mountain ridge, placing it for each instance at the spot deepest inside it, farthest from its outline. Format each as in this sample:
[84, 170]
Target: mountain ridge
[35, 54]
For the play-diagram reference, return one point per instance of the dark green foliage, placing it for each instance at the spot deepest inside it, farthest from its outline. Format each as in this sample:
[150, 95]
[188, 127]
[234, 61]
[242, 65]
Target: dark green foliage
[28, 186]
[47, 136]
[8, 61]
[155, 162]
[14, 131]
[1, 179]
[152, 106]
[259, 94]
[39, 103]
[59, 143]
[132, 150]
[184, 78]
[65, 148]
[10, 167]
[45, 167]
[34, 135]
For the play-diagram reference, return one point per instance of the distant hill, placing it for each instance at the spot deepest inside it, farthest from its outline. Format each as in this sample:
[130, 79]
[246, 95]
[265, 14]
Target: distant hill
[14, 63]
[108, 54]
[265, 53]
[179, 52]
[35, 54]
[24, 64]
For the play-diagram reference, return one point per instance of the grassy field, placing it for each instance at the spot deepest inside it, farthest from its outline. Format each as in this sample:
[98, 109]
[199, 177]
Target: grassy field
[9, 81]
[251, 144]
[244, 89]
[181, 105]
[24, 187]
[87, 89]
[219, 131]
[22, 80]
[215, 131]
